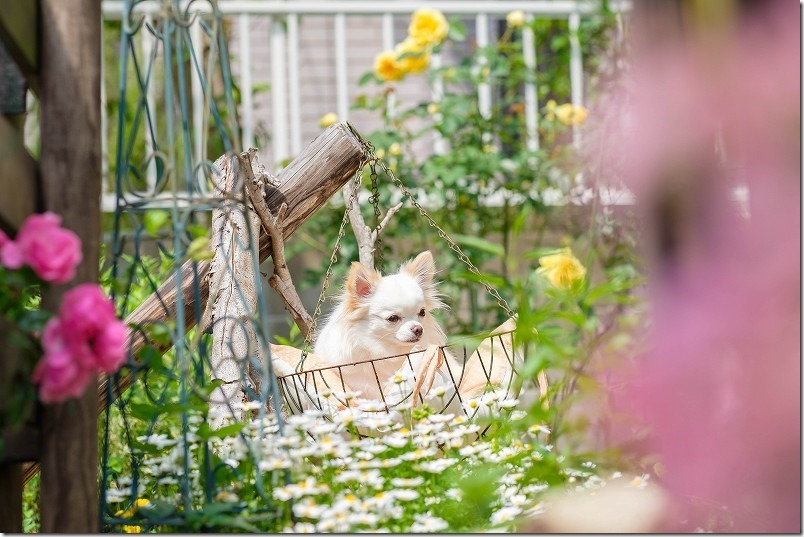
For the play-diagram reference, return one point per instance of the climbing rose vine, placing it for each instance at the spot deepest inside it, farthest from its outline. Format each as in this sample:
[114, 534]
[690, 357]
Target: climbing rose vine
[85, 338]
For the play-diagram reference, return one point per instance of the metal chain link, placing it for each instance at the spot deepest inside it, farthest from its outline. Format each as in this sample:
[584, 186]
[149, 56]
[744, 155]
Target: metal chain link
[379, 261]
[443, 234]
[356, 182]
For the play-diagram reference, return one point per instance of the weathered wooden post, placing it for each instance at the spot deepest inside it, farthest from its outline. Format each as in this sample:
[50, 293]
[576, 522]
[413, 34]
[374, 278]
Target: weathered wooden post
[18, 63]
[15, 162]
[71, 186]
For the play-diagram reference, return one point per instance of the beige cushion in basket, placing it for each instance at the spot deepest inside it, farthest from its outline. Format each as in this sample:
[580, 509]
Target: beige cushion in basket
[317, 386]
[481, 371]
[320, 386]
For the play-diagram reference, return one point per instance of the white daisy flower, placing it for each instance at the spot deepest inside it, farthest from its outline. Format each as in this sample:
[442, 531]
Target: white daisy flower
[505, 515]
[409, 483]
[428, 524]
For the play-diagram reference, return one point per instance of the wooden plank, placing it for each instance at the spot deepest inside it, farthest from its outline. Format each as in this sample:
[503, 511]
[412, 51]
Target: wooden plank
[19, 32]
[71, 187]
[18, 177]
[18, 181]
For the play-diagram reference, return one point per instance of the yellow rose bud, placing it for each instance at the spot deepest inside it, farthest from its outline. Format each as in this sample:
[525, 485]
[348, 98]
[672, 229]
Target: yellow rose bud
[515, 19]
[417, 57]
[428, 27]
[432, 109]
[395, 149]
[569, 114]
[328, 119]
[380, 153]
[562, 269]
[386, 67]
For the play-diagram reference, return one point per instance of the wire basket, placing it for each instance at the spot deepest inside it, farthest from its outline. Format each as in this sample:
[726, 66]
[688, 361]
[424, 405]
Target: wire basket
[472, 384]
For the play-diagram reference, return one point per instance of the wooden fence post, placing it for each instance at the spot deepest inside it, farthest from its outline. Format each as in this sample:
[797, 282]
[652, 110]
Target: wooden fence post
[71, 187]
[14, 156]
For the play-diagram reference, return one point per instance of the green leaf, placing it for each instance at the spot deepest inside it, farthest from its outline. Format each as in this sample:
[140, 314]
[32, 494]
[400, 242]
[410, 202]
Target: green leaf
[197, 231]
[457, 30]
[143, 411]
[489, 279]
[157, 510]
[480, 244]
[366, 78]
[159, 334]
[260, 87]
[155, 220]
[206, 432]
[198, 250]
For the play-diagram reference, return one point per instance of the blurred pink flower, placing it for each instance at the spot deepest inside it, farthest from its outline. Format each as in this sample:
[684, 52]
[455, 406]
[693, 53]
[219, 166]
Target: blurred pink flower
[720, 386]
[85, 311]
[84, 340]
[59, 375]
[10, 254]
[109, 347]
[52, 251]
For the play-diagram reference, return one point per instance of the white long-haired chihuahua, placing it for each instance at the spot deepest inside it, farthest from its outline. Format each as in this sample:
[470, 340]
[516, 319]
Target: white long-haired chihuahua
[382, 316]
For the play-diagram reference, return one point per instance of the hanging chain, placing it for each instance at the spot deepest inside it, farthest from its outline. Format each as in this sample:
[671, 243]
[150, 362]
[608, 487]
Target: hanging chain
[356, 182]
[443, 234]
[379, 261]
[378, 257]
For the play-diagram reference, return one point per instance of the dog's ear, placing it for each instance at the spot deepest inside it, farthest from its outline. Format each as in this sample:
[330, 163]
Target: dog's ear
[422, 268]
[361, 281]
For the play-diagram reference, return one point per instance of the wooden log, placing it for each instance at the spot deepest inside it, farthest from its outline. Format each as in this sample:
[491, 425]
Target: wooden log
[71, 187]
[306, 184]
[233, 285]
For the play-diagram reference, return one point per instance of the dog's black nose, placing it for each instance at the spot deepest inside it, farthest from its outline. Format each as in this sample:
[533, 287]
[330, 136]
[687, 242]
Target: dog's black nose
[417, 330]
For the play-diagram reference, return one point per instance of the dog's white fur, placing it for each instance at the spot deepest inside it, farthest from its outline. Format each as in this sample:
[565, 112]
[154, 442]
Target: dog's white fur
[381, 316]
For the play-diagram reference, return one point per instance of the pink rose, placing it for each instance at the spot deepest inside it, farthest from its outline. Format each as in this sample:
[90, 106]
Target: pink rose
[85, 339]
[58, 337]
[59, 375]
[91, 329]
[52, 251]
[10, 253]
[109, 347]
[85, 311]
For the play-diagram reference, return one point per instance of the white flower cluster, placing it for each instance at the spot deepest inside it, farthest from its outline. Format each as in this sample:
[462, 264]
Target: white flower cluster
[357, 470]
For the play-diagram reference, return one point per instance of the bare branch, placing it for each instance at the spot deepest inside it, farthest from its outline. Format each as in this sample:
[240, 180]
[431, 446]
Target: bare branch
[280, 280]
[365, 242]
[387, 218]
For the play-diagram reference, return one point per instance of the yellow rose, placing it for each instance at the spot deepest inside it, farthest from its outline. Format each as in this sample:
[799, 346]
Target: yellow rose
[562, 269]
[417, 59]
[395, 149]
[328, 119]
[569, 114]
[428, 27]
[516, 19]
[432, 109]
[386, 67]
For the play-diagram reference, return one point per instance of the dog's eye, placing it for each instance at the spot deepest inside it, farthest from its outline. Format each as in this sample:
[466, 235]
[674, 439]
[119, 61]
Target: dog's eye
[422, 313]
[394, 319]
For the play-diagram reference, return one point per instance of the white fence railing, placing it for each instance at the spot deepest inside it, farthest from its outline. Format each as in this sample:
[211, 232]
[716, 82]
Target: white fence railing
[288, 123]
